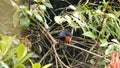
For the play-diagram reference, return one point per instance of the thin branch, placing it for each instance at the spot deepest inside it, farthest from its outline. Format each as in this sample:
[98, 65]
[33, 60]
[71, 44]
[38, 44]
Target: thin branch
[29, 3]
[85, 50]
[66, 57]
[44, 56]
[56, 61]
[46, 32]
[86, 2]
[58, 56]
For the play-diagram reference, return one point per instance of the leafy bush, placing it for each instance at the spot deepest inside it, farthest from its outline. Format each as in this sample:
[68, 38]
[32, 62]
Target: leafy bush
[12, 53]
[24, 13]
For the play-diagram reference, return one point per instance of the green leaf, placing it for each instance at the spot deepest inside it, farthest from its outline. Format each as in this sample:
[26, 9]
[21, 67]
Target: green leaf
[92, 61]
[90, 34]
[71, 22]
[102, 62]
[24, 9]
[105, 4]
[24, 22]
[47, 65]
[74, 24]
[6, 43]
[47, 4]
[59, 19]
[21, 51]
[37, 15]
[109, 50]
[36, 65]
[9, 54]
[24, 58]
[76, 14]
[80, 21]
[20, 66]
[40, 19]
[42, 7]
[71, 7]
[68, 18]
[111, 15]
[104, 42]
[3, 46]
[99, 12]
[30, 61]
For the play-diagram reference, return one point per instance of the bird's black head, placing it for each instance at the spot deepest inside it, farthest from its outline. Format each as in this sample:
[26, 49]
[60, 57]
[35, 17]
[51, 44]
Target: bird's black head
[69, 29]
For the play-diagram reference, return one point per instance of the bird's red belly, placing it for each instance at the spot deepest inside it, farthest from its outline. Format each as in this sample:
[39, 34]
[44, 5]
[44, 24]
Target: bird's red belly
[68, 38]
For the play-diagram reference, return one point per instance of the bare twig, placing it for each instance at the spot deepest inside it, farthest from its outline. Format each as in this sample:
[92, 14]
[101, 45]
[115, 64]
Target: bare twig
[29, 3]
[44, 56]
[58, 56]
[86, 2]
[56, 61]
[47, 33]
[85, 50]
[66, 57]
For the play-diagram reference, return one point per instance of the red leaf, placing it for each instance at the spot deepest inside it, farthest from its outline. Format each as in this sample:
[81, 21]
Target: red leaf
[115, 62]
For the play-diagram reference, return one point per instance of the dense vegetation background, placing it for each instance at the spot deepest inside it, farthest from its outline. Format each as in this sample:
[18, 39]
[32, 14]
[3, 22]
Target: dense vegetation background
[94, 44]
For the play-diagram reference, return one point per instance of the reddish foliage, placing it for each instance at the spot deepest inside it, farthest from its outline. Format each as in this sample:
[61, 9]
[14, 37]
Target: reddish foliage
[115, 61]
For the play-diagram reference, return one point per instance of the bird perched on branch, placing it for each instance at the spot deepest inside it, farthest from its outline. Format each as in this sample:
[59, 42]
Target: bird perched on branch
[66, 34]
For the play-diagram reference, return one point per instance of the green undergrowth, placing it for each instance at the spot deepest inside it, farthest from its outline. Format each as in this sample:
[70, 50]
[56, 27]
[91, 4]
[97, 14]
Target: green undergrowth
[14, 54]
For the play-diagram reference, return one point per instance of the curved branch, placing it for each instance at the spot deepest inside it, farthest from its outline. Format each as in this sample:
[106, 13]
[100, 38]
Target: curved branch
[85, 50]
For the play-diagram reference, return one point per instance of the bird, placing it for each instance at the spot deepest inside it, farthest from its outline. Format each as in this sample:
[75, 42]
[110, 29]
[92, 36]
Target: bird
[66, 34]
